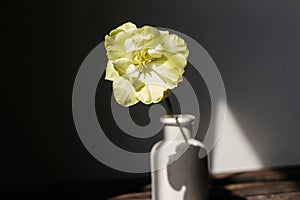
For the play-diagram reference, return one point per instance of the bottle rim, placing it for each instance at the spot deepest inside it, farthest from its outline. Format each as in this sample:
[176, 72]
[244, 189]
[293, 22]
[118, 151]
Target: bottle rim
[178, 119]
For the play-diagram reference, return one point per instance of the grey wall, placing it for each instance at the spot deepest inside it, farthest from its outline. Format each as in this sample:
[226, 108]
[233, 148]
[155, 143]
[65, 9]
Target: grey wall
[255, 44]
[258, 54]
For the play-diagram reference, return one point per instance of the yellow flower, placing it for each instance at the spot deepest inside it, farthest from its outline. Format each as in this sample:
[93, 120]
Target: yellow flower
[143, 63]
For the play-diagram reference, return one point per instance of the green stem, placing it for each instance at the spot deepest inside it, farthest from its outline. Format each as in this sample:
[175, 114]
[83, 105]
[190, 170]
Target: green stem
[169, 107]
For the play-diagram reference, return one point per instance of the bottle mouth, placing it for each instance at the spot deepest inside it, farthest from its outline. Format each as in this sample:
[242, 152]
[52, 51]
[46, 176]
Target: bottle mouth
[181, 119]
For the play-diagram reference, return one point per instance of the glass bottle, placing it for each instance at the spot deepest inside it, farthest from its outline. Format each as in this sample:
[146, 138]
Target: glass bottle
[177, 172]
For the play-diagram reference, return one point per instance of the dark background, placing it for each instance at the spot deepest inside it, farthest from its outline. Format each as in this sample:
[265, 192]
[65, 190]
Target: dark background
[255, 44]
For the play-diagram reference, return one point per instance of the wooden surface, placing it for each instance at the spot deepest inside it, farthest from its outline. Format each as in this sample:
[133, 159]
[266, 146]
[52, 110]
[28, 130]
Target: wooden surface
[276, 184]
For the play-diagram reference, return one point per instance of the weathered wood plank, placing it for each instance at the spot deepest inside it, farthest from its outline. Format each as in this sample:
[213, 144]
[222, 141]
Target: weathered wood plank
[256, 188]
[134, 196]
[267, 184]
[282, 196]
[287, 173]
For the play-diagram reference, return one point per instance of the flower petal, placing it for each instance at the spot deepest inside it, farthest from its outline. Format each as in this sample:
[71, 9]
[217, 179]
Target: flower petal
[110, 74]
[125, 27]
[151, 93]
[146, 37]
[130, 45]
[175, 45]
[124, 92]
[176, 61]
[156, 52]
[115, 45]
[169, 74]
[115, 41]
[121, 65]
[163, 71]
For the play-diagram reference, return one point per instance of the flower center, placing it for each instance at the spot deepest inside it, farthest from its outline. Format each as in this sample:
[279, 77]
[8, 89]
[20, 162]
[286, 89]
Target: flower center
[142, 58]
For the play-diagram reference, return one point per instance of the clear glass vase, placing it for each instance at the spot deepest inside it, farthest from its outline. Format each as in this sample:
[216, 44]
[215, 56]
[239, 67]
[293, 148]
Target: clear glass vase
[177, 172]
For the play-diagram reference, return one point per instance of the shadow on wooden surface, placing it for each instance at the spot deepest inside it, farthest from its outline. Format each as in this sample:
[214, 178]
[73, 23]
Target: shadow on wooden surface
[267, 184]
[276, 183]
[75, 191]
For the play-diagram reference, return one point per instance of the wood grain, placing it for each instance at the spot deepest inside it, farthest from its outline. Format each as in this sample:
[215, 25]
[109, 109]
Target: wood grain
[275, 184]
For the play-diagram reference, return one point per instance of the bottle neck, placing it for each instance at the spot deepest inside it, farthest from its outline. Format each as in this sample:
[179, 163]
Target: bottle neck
[178, 127]
[177, 132]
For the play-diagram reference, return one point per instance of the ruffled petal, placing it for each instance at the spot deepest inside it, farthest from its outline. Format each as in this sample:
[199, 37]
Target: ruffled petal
[163, 71]
[170, 75]
[151, 93]
[111, 74]
[124, 92]
[175, 45]
[156, 52]
[121, 65]
[175, 61]
[125, 27]
[115, 45]
[115, 41]
[146, 37]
